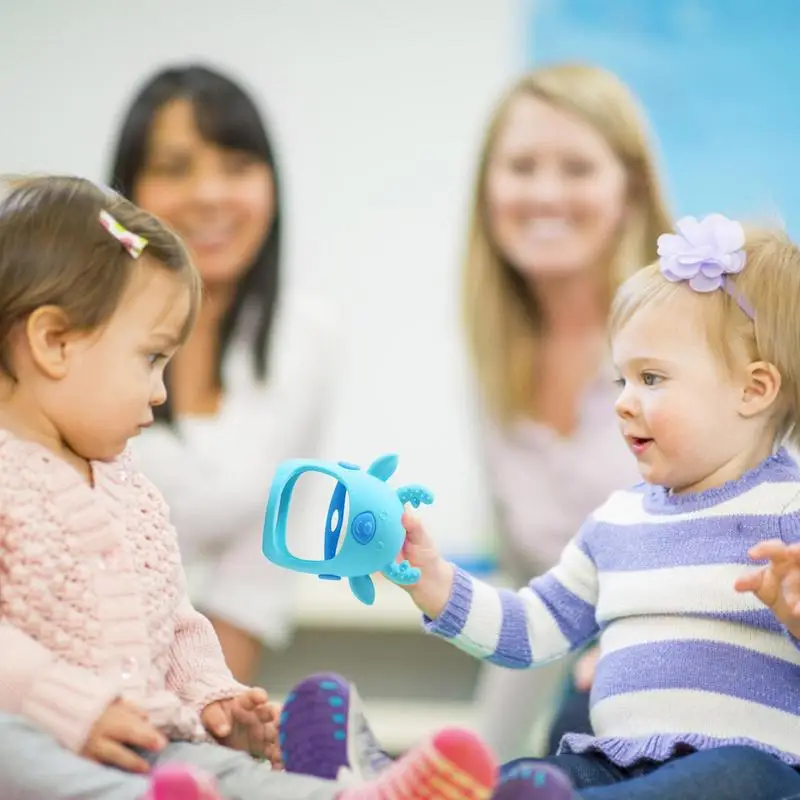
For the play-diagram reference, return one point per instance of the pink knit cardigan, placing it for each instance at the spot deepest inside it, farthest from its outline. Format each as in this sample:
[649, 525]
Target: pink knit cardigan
[93, 603]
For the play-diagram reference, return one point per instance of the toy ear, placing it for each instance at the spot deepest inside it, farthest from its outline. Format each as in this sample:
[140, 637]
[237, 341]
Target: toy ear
[383, 468]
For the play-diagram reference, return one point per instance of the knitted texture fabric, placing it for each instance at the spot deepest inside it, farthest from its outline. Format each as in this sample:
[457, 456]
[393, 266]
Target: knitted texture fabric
[687, 662]
[93, 605]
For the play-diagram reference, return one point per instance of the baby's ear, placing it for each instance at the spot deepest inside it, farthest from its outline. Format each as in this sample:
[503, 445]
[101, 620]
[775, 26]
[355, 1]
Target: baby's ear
[48, 333]
[761, 389]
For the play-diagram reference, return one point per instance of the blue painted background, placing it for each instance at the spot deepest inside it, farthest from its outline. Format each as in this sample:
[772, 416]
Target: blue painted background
[719, 79]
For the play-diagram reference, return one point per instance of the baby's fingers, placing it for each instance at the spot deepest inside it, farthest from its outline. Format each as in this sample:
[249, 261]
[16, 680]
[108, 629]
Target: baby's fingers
[215, 718]
[250, 699]
[772, 550]
[268, 712]
[752, 582]
[117, 755]
[273, 754]
[415, 533]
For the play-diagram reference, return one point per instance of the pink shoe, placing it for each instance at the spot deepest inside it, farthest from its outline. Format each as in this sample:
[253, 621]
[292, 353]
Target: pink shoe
[179, 782]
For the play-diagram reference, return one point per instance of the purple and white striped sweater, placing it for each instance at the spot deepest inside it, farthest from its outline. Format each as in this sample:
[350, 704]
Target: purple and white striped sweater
[687, 663]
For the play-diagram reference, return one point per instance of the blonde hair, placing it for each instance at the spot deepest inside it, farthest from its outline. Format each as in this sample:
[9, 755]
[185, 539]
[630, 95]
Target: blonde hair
[769, 284]
[54, 251]
[503, 325]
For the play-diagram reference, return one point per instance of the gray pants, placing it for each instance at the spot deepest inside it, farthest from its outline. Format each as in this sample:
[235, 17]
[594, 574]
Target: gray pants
[34, 766]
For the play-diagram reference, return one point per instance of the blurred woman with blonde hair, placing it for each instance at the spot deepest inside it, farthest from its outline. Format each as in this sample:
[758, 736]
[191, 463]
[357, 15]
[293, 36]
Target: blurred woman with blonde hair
[567, 204]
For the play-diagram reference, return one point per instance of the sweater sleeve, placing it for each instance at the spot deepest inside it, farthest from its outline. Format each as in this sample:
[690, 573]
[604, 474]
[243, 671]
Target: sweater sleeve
[551, 616]
[62, 699]
[197, 671]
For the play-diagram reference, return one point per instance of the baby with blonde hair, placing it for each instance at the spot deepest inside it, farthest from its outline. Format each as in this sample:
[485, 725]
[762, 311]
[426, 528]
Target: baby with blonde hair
[690, 579]
[770, 284]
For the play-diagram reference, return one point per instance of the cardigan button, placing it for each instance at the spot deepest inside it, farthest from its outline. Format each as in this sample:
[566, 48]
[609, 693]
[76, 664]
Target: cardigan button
[128, 668]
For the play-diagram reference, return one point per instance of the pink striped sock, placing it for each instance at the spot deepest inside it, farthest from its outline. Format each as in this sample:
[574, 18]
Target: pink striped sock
[454, 765]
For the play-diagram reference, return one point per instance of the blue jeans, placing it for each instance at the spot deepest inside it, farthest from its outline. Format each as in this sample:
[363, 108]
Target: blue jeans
[572, 717]
[723, 773]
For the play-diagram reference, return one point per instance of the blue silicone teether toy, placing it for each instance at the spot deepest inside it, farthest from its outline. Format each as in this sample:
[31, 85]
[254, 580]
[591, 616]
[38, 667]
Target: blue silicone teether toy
[374, 534]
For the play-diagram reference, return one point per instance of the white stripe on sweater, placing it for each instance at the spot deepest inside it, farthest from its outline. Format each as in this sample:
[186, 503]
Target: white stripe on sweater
[481, 631]
[636, 631]
[576, 573]
[543, 631]
[707, 588]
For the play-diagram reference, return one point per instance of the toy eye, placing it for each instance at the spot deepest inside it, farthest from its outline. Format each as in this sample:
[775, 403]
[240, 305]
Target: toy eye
[364, 527]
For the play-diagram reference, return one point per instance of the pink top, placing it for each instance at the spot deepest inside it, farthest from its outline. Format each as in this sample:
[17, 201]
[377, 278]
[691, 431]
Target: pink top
[545, 485]
[92, 600]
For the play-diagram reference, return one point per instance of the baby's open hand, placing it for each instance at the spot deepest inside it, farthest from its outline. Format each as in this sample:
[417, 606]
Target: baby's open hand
[247, 722]
[776, 585]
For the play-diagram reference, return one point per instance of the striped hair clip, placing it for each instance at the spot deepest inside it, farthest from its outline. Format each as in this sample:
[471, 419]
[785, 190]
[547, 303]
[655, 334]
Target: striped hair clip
[132, 242]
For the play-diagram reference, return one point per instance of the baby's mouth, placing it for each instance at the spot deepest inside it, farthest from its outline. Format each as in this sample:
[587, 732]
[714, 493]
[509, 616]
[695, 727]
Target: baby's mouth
[639, 443]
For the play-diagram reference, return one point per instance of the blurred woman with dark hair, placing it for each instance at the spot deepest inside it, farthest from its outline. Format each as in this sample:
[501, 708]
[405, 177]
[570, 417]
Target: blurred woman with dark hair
[250, 387]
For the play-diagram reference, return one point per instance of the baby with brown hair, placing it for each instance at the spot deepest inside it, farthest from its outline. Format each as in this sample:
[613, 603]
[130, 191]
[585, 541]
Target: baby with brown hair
[107, 670]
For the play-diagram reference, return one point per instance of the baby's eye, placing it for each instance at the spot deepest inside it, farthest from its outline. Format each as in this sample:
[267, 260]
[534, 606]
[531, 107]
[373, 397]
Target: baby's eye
[649, 379]
[619, 383]
[156, 358]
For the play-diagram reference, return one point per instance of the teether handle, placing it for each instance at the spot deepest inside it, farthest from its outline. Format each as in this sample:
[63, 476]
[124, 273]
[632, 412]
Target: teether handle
[402, 574]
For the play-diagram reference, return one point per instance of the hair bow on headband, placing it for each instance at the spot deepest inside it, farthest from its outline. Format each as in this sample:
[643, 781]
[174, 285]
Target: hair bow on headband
[132, 242]
[704, 253]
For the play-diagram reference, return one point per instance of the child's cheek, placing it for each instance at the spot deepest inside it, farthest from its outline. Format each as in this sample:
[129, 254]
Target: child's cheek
[662, 418]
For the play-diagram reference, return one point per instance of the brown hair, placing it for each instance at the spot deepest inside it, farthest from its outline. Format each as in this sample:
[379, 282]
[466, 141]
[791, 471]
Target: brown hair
[54, 251]
[503, 326]
[770, 285]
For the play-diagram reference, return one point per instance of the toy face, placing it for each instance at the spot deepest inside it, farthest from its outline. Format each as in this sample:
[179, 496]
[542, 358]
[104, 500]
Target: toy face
[363, 530]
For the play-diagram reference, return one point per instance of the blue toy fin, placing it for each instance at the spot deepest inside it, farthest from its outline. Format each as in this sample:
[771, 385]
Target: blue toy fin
[363, 588]
[415, 494]
[384, 467]
[402, 574]
[332, 533]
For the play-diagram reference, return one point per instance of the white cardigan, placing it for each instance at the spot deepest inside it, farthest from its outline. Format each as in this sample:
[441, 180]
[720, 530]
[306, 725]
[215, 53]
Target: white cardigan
[215, 472]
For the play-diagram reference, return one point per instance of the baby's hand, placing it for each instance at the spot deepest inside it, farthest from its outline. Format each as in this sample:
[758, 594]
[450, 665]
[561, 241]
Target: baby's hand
[583, 674]
[432, 591]
[776, 585]
[120, 728]
[247, 722]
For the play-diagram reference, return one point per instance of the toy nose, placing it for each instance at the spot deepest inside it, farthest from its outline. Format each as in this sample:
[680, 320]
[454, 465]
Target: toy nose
[363, 527]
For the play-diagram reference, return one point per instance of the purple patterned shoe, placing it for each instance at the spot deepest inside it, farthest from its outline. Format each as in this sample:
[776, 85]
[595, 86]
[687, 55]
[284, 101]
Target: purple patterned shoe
[324, 733]
[528, 779]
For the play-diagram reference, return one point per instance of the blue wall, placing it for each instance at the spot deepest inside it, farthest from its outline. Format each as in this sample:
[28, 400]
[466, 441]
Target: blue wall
[719, 79]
